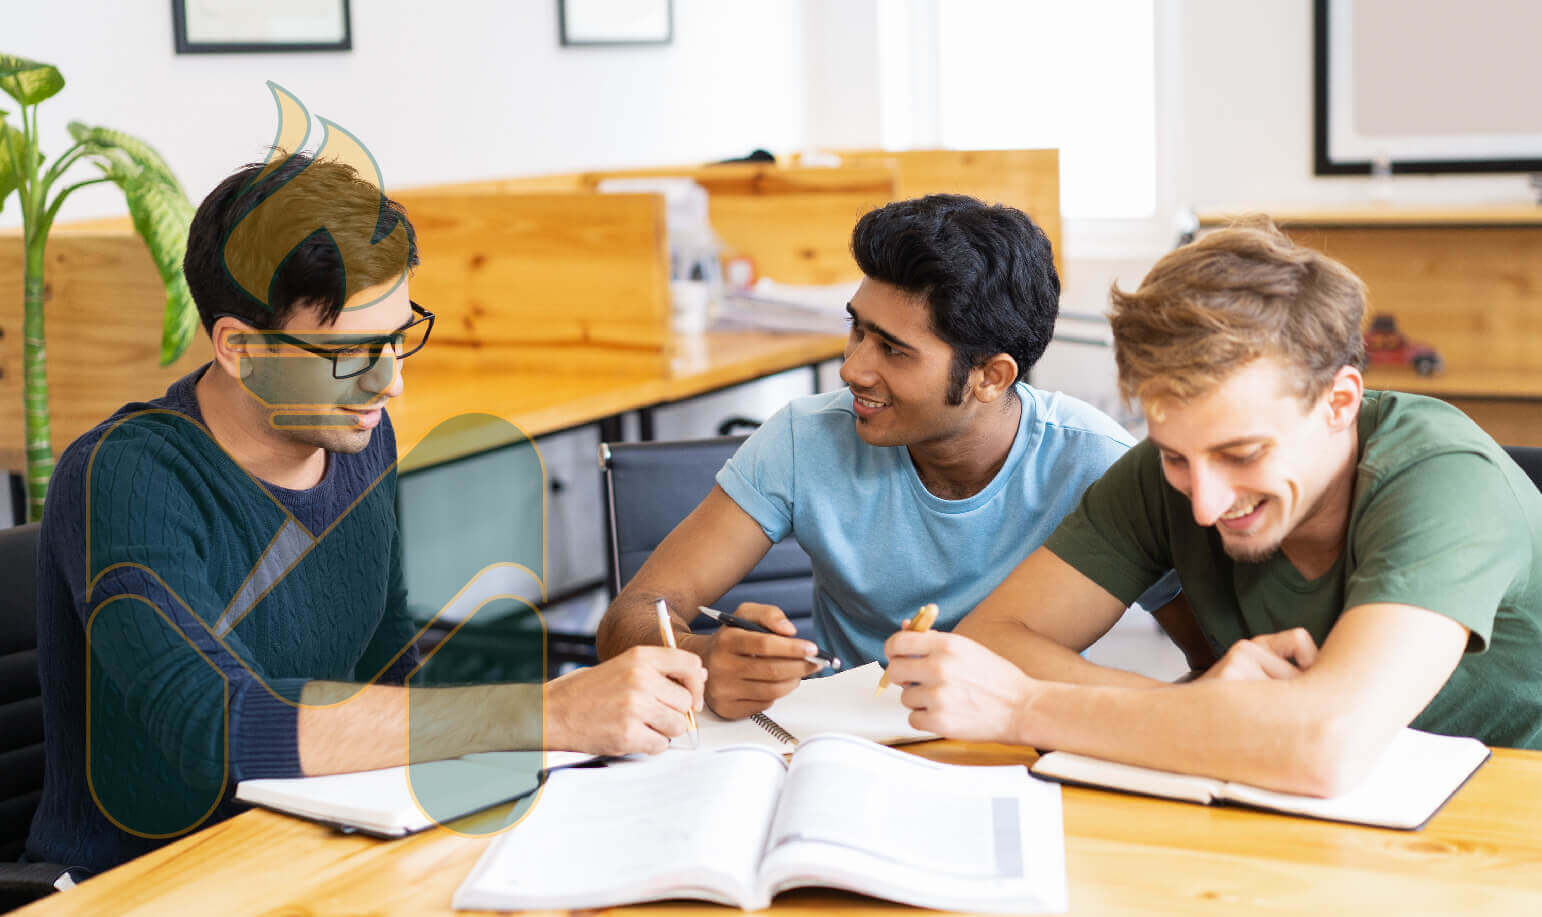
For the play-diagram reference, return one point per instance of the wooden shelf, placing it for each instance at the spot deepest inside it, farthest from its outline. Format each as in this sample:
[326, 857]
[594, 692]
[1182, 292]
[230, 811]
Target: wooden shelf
[1461, 383]
[1389, 215]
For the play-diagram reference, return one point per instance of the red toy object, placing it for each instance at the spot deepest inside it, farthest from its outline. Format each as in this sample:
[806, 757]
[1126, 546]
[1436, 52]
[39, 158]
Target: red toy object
[1385, 345]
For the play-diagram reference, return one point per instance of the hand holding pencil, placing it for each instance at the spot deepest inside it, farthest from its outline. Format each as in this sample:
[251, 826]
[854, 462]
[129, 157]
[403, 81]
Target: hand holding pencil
[667, 632]
[920, 624]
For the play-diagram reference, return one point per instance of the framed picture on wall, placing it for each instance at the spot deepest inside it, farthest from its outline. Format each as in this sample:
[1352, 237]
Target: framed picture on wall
[615, 22]
[240, 26]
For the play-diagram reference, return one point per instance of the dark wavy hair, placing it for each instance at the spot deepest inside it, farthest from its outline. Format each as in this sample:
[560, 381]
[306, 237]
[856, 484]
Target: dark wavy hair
[986, 271]
[312, 230]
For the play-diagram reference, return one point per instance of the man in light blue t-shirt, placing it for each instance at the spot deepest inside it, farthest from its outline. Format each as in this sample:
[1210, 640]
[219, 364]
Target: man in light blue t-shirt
[927, 480]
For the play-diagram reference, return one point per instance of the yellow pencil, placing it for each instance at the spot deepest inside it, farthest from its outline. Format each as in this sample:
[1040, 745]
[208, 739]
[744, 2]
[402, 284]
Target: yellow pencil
[668, 633]
[919, 624]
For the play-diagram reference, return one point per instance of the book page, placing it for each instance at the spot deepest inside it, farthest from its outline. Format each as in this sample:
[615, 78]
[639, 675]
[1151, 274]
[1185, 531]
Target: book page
[1074, 768]
[690, 826]
[393, 801]
[717, 734]
[859, 816]
[846, 702]
[1415, 776]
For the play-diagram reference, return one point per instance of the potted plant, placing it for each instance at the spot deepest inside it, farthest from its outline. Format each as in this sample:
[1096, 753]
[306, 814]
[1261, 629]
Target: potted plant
[157, 204]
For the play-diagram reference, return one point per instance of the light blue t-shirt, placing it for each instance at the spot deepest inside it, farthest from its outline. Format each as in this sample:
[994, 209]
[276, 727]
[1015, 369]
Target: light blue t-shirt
[882, 545]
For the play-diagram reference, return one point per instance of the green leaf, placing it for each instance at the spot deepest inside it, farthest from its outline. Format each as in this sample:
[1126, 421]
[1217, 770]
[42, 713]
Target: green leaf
[13, 149]
[28, 81]
[101, 140]
[161, 213]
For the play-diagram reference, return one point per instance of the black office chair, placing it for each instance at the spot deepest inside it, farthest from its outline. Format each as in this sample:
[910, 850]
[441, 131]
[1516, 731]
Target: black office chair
[1530, 460]
[21, 720]
[650, 487]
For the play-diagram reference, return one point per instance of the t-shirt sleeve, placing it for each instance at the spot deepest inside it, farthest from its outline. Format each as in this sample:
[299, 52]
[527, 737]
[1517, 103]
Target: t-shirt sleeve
[760, 475]
[1446, 534]
[1115, 536]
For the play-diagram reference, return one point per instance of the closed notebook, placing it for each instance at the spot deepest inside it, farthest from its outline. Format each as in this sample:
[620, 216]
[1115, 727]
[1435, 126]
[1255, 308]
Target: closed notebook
[844, 703]
[1414, 778]
[739, 825]
[391, 803]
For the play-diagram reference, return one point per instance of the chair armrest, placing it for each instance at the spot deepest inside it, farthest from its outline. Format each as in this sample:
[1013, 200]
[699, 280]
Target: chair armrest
[23, 882]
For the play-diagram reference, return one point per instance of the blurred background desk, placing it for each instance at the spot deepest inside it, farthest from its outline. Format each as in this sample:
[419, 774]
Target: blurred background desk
[1124, 855]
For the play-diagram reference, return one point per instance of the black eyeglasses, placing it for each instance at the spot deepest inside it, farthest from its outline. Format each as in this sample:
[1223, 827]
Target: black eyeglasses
[357, 355]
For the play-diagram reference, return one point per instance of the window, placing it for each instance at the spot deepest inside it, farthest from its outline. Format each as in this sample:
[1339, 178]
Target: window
[1076, 76]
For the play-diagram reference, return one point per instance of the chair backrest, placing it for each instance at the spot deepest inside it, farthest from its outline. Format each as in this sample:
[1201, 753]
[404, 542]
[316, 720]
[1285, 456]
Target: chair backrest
[21, 703]
[1530, 460]
[650, 487]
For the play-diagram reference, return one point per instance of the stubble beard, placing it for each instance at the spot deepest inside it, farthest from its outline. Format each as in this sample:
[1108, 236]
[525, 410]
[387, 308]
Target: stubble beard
[341, 440]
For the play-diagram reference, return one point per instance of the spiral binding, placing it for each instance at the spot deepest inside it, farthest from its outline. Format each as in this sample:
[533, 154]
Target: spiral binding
[771, 726]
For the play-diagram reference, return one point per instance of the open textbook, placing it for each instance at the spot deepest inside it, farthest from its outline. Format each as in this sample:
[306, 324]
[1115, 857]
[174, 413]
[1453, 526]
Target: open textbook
[390, 803]
[739, 825]
[1416, 775]
[844, 703]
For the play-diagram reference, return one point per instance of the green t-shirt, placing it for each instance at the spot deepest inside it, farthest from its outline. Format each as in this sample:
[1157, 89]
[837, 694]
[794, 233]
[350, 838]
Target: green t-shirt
[1441, 519]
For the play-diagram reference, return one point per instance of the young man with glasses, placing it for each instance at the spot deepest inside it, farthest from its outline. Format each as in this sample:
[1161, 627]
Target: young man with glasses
[221, 593]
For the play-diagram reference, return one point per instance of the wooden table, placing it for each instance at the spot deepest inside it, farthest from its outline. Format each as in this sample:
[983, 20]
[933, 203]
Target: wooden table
[540, 402]
[1125, 855]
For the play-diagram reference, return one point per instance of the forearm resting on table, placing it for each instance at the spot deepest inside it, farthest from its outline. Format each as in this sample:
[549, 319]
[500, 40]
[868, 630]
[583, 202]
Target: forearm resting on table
[349, 727]
[1041, 657]
[1294, 736]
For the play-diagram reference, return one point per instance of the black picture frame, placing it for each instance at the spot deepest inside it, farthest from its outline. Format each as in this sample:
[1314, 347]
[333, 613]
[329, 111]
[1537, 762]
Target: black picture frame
[186, 46]
[1323, 162]
[566, 32]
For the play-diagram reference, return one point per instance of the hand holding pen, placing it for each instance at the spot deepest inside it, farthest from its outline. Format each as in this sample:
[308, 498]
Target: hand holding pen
[919, 624]
[750, 667]
[728, 620]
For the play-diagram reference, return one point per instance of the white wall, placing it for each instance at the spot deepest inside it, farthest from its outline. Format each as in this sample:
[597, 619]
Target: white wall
[439, 91]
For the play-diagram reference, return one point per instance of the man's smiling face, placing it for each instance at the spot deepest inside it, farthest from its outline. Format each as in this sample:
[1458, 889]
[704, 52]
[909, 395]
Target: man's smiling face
[1253, 462]
[897, 368]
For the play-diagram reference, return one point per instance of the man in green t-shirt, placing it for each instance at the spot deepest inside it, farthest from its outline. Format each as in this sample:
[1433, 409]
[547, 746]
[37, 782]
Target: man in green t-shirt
[1355, 561]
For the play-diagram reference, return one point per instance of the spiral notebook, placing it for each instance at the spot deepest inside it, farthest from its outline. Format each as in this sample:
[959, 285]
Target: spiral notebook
[843, 703]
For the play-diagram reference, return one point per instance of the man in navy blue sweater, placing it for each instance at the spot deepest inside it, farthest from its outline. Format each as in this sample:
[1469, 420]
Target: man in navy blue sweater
[221, 590]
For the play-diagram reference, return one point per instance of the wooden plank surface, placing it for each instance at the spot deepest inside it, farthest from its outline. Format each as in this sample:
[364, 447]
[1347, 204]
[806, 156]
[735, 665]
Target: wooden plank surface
[1516, 214]
[537, 402]
[102, 322]
[1125, 855]
[1026, 179]
[552, 271]
[794, 222]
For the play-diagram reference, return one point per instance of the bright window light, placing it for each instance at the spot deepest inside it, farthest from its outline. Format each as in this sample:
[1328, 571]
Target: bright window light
[1022, 74]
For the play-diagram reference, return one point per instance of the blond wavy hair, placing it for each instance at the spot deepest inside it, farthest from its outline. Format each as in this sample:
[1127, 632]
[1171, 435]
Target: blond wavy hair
[1240, 293]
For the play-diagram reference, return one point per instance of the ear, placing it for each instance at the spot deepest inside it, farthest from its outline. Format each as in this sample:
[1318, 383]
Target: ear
[994, 378]
[229, 347]
[1343, 397]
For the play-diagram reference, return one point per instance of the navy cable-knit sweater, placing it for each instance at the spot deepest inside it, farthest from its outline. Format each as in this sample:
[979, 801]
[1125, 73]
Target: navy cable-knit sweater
[182, 607]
